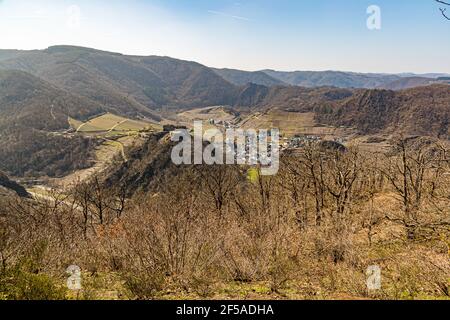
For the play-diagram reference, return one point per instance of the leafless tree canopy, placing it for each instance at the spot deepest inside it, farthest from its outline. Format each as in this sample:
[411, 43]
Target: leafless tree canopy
[444, 10]
[309, 232]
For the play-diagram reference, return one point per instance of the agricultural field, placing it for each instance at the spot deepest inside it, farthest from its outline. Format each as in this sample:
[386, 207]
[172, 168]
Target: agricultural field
[75, 124]
[111, 123]
[115, 133]
[291, 124]
[205, 114]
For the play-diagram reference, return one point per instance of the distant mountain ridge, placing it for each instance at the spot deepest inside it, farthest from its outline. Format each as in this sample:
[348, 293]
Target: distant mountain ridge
[413, 82]
[129, 85]
[139, 85]
[339, 79]
[241, 78]
[424, 75]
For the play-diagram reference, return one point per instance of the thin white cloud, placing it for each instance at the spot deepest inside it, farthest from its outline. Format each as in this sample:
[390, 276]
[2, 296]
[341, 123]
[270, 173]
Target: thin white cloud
[223, 14]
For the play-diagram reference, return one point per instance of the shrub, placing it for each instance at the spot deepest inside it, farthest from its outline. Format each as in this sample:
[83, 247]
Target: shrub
[144, 286]
[20, 285]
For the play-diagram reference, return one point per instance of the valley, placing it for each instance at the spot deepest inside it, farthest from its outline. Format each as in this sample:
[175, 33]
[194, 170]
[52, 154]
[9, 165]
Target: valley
[86, 177]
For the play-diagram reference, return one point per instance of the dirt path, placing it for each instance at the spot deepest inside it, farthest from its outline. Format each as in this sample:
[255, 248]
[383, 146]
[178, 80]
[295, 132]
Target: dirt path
[118, 124]
[81, 126]
[121, 147]
[51, 112]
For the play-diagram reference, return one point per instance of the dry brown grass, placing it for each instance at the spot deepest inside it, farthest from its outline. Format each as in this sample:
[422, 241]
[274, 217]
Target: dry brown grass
[308, 233]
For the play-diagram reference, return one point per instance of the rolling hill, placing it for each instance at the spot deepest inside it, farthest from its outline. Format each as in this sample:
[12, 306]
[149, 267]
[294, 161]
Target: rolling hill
[332, 79]
[147, 167]
[406, 83]
[33, 116]
[413, 82]
[26, 99]
[241, 78]
[417, 111]
[127, 85]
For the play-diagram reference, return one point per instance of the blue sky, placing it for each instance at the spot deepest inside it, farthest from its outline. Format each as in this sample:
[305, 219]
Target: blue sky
[243, 34]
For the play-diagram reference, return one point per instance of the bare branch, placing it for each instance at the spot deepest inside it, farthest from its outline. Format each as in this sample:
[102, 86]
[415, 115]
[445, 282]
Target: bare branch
[443, 2]
[444, 14]
[443, 11]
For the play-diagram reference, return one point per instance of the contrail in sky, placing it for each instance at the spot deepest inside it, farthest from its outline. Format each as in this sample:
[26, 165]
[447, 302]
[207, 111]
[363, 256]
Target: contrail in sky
[228, 15]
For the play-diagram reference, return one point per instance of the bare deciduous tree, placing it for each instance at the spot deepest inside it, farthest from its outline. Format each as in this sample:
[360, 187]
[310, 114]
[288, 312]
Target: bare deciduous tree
[413, 172]
[444, 10]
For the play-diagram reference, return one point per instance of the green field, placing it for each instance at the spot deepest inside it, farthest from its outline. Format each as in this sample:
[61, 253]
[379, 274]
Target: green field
[109, 123]
[74, 123]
